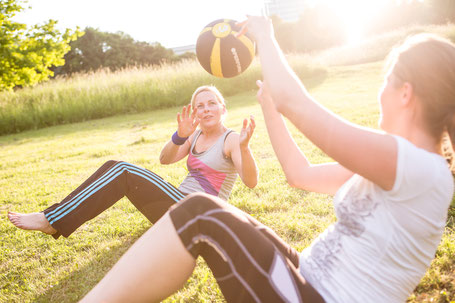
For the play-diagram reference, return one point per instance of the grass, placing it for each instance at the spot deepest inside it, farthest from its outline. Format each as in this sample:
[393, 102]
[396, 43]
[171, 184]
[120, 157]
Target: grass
[134, 90]
[103, 94]
[40, 167]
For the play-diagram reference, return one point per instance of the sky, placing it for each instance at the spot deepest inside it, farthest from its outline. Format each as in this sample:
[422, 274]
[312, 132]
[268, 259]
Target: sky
[172, 23]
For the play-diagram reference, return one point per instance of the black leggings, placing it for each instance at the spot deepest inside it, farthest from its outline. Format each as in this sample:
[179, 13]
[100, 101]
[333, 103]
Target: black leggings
[150, 193]
[249, 261]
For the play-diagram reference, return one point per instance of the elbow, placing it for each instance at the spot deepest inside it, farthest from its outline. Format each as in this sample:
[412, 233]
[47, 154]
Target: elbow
[163, 160]
[295, 182]
[252, 184]
[291, 183]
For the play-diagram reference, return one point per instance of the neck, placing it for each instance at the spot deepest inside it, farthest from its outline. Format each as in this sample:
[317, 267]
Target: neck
[420, 138]
[214, 131]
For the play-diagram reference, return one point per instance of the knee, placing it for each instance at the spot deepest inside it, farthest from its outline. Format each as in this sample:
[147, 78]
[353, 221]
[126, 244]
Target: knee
[111, 163]
[199, 203]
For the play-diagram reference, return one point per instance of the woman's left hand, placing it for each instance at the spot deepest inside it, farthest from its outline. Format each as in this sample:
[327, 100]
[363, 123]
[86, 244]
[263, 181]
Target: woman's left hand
[247, 132]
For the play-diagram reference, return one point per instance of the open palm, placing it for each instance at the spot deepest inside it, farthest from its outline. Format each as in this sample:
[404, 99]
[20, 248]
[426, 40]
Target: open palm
[247, 132]
[187, 122]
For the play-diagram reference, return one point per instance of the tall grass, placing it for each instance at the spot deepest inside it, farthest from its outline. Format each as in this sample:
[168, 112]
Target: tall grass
[102, 94]
[134, 90]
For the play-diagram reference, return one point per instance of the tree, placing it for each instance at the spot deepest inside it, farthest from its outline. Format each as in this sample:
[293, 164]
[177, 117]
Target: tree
[96, 49]
[26, 55]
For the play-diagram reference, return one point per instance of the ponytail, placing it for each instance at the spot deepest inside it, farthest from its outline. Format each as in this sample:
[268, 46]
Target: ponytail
[428, 63]
[448, 144]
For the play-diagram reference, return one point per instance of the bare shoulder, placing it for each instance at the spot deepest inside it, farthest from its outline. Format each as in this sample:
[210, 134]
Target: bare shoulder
[231, 142]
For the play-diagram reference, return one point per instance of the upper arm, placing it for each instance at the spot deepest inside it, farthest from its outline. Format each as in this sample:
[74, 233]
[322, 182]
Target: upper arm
[366, 152]
[322, 178]
[232, 150]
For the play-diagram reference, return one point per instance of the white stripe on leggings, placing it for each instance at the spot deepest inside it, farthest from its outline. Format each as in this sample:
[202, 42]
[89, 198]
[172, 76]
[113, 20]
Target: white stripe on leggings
[111, 174]
[205, 216]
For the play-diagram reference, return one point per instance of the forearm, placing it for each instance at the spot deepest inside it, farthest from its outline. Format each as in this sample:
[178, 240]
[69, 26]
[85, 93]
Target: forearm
[291, 158]
[286, 88]
[169, 153]
[249, 174]
[293, 101]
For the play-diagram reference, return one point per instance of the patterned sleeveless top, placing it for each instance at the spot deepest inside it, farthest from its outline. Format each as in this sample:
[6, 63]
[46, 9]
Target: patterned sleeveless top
[210, 171]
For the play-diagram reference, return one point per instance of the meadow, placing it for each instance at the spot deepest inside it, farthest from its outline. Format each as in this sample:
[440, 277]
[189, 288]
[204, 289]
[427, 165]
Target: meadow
[84, 97]
[41, 166]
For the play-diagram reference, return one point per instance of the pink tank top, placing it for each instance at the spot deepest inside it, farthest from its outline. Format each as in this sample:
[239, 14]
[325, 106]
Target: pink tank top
[210, 171]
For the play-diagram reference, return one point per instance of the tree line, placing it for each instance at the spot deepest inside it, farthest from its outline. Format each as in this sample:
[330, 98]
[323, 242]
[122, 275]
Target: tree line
[96, 49]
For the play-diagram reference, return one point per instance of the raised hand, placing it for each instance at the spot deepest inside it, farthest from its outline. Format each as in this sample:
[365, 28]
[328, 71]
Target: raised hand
[187, 121]
[263, 94]
[256, 26]
[247, 132]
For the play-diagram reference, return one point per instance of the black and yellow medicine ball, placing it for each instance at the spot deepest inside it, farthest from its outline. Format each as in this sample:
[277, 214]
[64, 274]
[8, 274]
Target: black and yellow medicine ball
[220, 52]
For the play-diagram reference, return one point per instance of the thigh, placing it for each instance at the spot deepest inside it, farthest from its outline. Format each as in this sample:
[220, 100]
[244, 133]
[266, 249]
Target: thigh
[249, 261]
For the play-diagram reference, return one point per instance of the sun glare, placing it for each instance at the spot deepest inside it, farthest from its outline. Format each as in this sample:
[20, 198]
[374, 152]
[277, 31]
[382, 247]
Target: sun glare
[354, 14]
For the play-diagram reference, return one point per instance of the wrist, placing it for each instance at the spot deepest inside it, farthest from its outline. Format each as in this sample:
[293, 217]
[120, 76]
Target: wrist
[244, 148]
[177, 140]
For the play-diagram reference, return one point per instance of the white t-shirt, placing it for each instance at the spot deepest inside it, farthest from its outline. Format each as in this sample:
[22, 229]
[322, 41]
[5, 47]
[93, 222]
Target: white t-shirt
[383, 241]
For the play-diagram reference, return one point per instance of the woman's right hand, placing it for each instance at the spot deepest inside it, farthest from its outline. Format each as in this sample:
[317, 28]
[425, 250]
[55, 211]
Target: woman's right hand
[257, 26]
[187, 121]
[263, 94]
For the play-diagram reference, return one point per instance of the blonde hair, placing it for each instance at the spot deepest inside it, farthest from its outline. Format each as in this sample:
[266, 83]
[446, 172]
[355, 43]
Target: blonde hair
[427, 62]
[208, 88]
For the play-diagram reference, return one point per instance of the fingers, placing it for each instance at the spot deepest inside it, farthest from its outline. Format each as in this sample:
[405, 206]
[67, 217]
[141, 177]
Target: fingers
[193, 114]
[243, 28]
[245, 123]
[249, 129]
[253, 123]
[179, 118]
[186, 110]
[259, 83]
[252, 126]
[196, 123]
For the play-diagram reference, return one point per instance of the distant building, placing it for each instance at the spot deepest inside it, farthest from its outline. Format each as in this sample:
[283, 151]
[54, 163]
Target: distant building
[179, 50]
[287, 10]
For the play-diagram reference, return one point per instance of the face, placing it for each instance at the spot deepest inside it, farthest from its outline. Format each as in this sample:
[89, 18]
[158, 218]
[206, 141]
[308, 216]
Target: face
[389, 98]
[209, 110]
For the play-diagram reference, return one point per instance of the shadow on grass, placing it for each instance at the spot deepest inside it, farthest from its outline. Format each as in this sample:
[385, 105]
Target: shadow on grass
[74, 286]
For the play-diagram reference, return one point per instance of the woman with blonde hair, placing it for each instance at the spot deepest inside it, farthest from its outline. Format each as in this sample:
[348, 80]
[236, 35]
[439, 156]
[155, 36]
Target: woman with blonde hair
[392, 191]
[215, 156]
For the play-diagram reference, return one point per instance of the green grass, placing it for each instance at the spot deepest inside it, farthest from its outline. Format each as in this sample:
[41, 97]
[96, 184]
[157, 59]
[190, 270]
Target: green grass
[40, 167]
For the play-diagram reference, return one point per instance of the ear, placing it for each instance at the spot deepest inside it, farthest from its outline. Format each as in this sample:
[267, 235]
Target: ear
[407, 94]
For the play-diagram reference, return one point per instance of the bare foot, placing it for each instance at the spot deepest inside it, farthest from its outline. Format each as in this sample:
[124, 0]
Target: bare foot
[33, 221]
